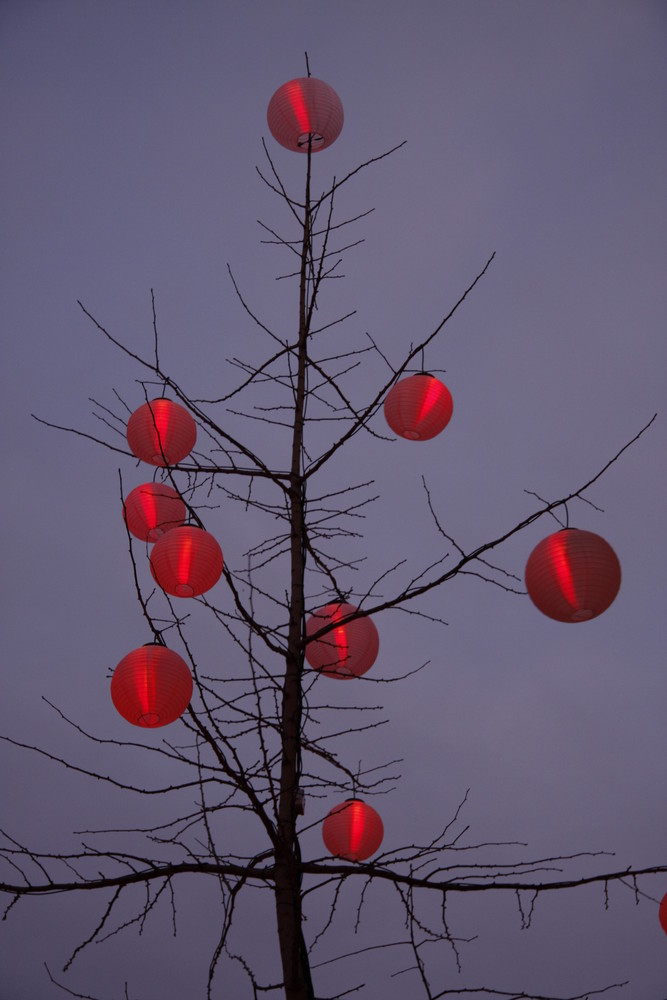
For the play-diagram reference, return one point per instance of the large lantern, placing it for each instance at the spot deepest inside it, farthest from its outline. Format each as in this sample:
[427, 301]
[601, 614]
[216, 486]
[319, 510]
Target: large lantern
[346, 651]
[186, 561]
[302, 110]
[662, 913]
[153, 509]
[418, 407]
[352, 830]
[573, 575]
[151, 686]
[161, 432]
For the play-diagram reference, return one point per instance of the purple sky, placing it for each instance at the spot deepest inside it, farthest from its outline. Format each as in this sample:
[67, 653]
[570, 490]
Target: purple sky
[537, 130]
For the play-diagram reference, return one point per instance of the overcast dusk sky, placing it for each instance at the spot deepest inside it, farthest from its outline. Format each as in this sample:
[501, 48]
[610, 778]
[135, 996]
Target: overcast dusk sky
[535, 129]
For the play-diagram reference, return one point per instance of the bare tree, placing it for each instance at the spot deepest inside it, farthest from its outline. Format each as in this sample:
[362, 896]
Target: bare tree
[255, 745]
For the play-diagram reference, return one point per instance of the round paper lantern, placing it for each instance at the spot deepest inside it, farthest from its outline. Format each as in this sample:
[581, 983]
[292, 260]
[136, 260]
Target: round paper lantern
[662, 913]
[186, 561]
[346, 651]
[153, 509]
[161, 432]
[352, 830]
[305, 109]
[573, 575]
[151, 686]
[418, 407]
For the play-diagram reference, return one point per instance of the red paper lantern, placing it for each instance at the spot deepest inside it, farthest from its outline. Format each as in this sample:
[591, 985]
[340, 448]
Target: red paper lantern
[418, 407]
[186, 561]
[305, 109]
[153, 509]
[573, 575]
[662, 913]
[151, 686]
[346, 651]
[161, 432]
[352, 830]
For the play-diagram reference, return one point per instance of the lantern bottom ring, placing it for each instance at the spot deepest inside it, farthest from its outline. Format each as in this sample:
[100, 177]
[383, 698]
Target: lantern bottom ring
[412, 435]
[183, 590]
[582, 615]
[149, 719]
[315, 139]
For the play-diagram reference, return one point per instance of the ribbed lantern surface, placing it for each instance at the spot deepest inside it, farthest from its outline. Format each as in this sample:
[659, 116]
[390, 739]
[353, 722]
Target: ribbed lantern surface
[303, 109]
[418, 407]
[161, 432]
[352, 830]
[186, 561]
[346, 651]
[662, 913]
[573, 575]
[152, 509]
[151, 686]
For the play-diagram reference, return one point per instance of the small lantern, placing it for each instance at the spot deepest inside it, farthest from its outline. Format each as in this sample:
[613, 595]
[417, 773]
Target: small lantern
[346, 651]
[186, 561]
[573, 575]
[662, 913]
[304, 112]
[418, 407]
[153, 509]
[352, 830]
[151, 686]
[161, 432]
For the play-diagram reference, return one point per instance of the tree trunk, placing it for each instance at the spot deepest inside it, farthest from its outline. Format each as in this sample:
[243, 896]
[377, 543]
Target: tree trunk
[296, 970]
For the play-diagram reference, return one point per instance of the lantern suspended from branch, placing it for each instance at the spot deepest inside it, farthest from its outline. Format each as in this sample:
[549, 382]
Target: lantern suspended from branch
[186, 561]
[161, 432]
[662, 913]
[352, 830]
[346, 651]
[418, 407]
[573, 575]
[153, 509]
[151, 686]
[303, 111]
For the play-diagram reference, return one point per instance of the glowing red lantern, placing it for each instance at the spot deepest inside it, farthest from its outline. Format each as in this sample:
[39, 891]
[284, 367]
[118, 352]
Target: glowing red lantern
[153, 509]
[352, 830]
[573, 575]
[186, 561]
[346, 651]
[305, 109]
[151, 686]
[161, 432]
[418, 407]
[662, 913]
